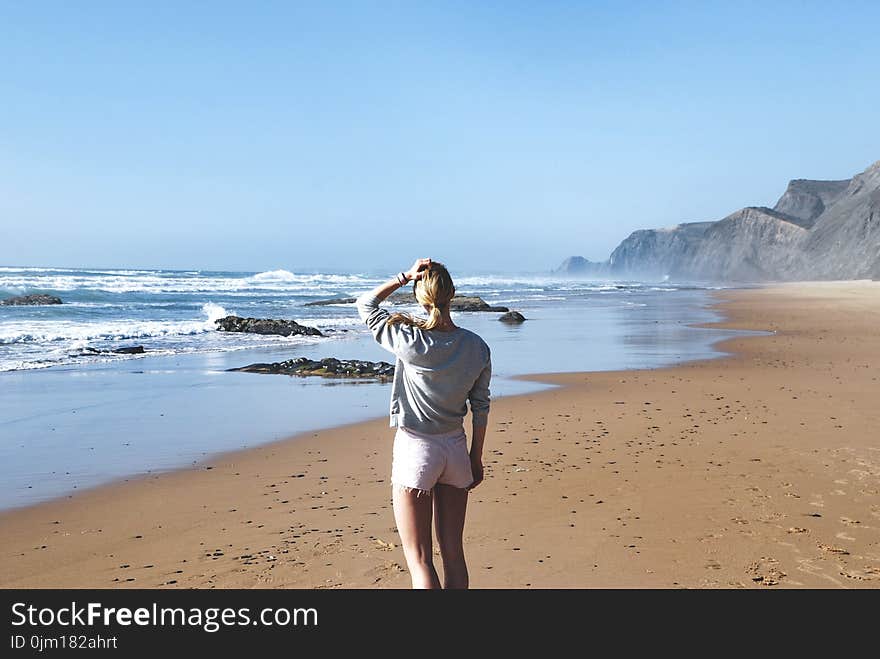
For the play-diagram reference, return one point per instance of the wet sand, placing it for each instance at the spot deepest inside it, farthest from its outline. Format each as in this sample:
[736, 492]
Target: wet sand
[761, 469]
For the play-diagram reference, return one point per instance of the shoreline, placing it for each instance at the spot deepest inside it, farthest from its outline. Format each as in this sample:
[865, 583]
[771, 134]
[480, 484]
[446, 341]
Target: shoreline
[217, 534]
[540, 381]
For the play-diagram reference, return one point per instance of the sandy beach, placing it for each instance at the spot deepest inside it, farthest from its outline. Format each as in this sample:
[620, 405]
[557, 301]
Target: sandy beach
[760, 469]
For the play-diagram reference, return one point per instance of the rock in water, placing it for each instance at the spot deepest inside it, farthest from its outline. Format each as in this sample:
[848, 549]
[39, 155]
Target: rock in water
[329, 367]
[513, 317]
[458, 303]
[465, 303]
[131, 350]
[31, 299]
[265, 326]
[336, 300]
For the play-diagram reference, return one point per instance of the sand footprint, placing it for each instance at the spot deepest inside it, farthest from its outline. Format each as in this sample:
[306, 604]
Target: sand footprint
[868, 573]
[385, 571]
[766, 572]
[831, 549]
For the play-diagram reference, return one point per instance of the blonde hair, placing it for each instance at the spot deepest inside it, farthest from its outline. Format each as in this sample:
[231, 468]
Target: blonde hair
[435, 290]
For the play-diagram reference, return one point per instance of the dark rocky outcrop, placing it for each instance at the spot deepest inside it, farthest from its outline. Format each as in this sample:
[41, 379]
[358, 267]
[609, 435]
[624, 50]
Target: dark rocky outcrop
[265, 326]
[133, 350]
[817, 230]
[20, 300]
[458, 303]
[335, 300]
[465, 303]
[328, 367]
[512, 317]
[129, 350]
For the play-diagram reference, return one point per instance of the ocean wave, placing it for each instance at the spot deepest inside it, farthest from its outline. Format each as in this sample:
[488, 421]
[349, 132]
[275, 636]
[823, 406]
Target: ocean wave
[157, 282]
[62, 356]
[107, 271]
[214, 312]
[24, 365]
[274, 275]
[53, 331]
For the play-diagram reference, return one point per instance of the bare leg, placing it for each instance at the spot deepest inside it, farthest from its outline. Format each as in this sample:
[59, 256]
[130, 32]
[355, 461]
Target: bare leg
[413, 513]
[450, 506]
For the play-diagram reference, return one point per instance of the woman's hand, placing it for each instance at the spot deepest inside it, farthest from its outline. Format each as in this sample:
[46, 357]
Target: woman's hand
[476, 470]
[415, 272]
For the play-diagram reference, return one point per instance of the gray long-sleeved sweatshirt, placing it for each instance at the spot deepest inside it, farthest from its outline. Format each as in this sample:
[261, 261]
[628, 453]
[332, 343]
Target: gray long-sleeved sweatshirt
[436, 372]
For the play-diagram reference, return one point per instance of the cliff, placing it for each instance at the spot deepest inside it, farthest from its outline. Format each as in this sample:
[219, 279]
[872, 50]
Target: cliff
[656, 253]
[845, 240]
[752, 244]
[817, 230]
[803, 201]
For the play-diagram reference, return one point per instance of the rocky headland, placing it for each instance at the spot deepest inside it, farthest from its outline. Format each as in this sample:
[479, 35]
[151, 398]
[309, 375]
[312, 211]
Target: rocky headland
[817, 230]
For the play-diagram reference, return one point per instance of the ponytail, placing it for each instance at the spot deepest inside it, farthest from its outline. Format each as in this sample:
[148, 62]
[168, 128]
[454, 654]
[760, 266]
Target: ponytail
[433, 320]
[435, 289]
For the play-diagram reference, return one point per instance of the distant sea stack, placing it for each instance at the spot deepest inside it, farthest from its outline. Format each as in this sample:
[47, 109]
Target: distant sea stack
[817, 230]
[21, 300]
[578, 265]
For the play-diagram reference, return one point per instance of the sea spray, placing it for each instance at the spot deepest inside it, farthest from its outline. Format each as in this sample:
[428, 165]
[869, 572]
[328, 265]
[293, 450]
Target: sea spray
[274, 276]
[214, 312]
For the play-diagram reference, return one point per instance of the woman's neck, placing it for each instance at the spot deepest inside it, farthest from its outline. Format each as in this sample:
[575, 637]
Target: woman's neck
[446, 324]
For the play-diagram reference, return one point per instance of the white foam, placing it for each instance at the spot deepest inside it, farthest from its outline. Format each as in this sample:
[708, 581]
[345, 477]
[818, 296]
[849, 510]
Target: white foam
[214, 312]
[154, 282]
[274, 275]
[331, 322]
[79, 333]
[62, 356]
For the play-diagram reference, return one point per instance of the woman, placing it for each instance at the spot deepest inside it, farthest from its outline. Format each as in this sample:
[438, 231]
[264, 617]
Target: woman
[440, 367]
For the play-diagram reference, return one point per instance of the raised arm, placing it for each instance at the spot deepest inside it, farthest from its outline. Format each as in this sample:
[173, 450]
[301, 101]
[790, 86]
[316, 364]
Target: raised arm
[376, 318]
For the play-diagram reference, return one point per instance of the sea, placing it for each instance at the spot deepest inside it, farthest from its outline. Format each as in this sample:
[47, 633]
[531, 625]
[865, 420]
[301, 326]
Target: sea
[74, 415]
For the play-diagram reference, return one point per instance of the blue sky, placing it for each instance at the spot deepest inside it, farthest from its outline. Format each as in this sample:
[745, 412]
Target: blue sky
[496, 136]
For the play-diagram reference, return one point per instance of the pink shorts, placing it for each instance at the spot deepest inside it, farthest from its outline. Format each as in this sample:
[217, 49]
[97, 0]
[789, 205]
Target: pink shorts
[422, 461]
